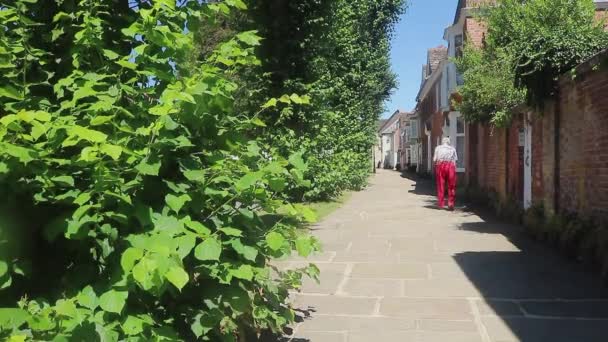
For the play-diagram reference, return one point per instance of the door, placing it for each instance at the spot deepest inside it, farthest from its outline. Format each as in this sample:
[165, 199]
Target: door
[527, 163]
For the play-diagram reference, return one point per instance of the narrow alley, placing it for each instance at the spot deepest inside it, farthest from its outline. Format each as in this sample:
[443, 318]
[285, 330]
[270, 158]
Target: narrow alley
[396, 269]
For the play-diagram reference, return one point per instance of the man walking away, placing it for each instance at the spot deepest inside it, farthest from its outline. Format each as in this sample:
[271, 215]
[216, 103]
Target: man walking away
[445, 158]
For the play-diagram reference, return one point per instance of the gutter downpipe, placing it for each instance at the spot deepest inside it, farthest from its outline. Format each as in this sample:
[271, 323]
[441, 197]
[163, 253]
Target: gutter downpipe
[557, 169]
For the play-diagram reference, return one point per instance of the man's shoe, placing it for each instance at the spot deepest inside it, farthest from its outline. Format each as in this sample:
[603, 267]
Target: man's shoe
[451, 208]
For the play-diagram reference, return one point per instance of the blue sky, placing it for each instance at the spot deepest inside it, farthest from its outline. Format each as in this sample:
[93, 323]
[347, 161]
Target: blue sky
[420, 28]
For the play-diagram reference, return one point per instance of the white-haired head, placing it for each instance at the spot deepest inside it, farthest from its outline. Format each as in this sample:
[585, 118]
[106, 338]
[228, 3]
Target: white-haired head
[446, 141]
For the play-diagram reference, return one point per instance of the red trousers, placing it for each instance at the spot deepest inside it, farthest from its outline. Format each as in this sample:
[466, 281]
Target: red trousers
[446, 171]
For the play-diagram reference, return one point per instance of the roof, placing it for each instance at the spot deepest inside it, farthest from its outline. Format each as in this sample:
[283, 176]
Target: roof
[396, 116]
[435, 56]
[380, 123]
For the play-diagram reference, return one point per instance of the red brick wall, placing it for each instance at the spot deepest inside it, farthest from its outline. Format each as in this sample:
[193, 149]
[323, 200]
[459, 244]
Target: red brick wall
[488, 168]
[475, 31]
[515, 161]
[583, 137]
[602, 16]
[537, 160]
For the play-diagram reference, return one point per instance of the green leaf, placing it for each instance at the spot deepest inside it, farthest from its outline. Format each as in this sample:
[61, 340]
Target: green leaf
[231, 231]
[248, 252]
[256, 121]
[271, 103]
[130, 257]
[277, 184]
[304, 246]
[148, 169]
[17, 338]
[24, 155]
[177, 203]
[101, 119]
[113, 301]
[65, 180]
[250, 38]
[82, 198]
[126, 64]
[143, 273]
[111, 150]
[185, 244]
[244, 272]
[275, 240]
[198, 227]
[88, 298]
[195, 175]
[297, 161]
[12, 318]
[84, 133]
[178, 277]
[111, 55]
[237, 3]
[10, 92]
[209, 249]
[3, 268]
[248, 181]
[133, 326]
[66, 308]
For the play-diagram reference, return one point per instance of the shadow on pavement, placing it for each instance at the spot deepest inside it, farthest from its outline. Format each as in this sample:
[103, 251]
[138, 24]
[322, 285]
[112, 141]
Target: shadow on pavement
[531, 293]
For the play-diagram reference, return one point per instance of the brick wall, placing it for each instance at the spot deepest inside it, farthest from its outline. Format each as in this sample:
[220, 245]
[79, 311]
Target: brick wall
[537, 156]
[475, 31]
[515, 160]
[583, 137]
[602, 16]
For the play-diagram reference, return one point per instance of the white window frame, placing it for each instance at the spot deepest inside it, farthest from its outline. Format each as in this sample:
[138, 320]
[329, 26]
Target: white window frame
[453, 116]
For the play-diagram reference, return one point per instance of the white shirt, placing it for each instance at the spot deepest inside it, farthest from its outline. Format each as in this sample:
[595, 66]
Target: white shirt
[445, 153]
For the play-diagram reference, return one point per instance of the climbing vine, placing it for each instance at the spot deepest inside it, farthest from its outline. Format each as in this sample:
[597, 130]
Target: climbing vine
[136, 204]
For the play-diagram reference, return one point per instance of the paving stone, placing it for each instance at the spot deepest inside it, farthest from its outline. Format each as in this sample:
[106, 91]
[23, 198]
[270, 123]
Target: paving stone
[367, 257]
[318, 336]
[446, 270]
[349, 323]
[412, 336]
[578, 309]
[390, 271]
[440, 288]
[373, 287]
[387, 238]
[445, 325]
[498, 308]
[331, 276]
[426, 308]
[544, 330]
[425, 245]
[366, 244]
[334, 305]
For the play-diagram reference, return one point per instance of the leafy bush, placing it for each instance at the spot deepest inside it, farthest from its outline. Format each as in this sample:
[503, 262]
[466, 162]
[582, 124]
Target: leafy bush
[338, 53]
[148, 211]
[546, 38]
[489, 93]
[528, 46]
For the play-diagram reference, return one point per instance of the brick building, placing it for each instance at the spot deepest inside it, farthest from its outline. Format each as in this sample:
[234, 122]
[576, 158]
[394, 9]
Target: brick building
[556, 158]
[430, 107]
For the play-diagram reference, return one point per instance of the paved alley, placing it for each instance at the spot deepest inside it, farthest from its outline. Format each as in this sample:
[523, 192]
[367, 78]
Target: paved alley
[396, 269]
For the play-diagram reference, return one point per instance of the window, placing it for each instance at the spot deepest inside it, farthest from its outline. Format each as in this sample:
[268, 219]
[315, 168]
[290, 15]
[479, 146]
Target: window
[414, 130]
[458, 53]
[458, 45]
[460, 142]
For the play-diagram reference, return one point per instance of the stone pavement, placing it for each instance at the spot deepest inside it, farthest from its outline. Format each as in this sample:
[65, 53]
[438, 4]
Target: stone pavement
[396, 269]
